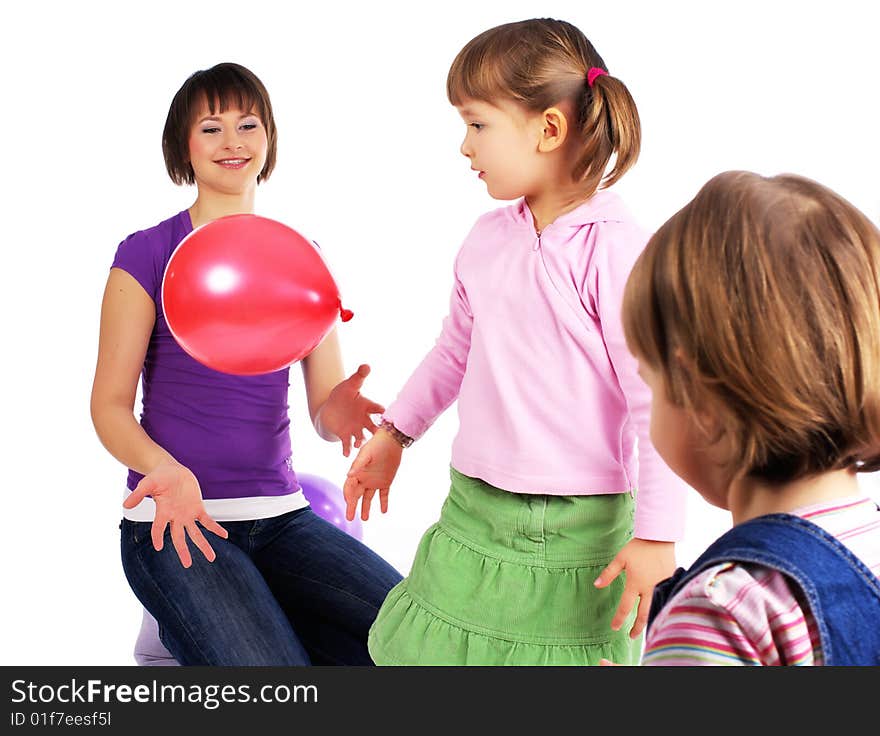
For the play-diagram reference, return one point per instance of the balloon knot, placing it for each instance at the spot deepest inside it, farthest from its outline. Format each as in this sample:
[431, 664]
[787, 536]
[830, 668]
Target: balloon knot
[345, 314]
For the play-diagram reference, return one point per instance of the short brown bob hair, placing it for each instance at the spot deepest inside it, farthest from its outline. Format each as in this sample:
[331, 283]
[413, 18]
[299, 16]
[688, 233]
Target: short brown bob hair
[543, 62]
[222, 86]
[760, 301]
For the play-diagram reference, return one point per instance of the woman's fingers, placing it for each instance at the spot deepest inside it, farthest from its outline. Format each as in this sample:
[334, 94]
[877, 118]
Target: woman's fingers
[199, 541]
[207, 521]
[140, 492]
[178, 539]
[157, 532]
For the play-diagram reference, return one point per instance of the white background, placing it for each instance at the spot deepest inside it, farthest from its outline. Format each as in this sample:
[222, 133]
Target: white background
[369, 167]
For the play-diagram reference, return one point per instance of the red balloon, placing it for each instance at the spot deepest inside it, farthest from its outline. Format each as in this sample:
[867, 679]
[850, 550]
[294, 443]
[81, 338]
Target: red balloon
[248, 295]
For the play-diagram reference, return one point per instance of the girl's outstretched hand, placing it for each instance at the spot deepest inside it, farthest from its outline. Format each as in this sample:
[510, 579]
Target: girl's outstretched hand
[372, 470]
[346, 413]
[646, 563]
[178, 499]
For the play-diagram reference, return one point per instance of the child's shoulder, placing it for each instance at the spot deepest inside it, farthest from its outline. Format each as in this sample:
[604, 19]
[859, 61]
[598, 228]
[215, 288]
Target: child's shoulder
[603, 207]
[727, 613]
[508, 215]
[747, 593]
[490, 228]
[612, 217]
[612, 237]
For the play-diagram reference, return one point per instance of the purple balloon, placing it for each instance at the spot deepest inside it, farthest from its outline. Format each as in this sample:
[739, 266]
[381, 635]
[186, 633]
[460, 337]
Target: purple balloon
[327, 502]
[149, 651]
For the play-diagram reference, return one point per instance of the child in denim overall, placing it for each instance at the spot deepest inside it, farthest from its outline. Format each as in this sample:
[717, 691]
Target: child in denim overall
[754, 313]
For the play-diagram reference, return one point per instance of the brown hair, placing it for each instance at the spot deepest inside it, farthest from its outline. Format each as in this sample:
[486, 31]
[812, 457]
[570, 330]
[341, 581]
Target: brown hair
[760, 300]
[543, 62]
[222, 86]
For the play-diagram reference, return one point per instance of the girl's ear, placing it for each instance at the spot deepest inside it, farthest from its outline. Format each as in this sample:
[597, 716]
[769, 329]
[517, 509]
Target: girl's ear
[710, 426]
[706, 414]
[554, 130]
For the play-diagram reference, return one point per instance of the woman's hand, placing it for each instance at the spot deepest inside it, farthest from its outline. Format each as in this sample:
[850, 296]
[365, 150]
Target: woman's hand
[346, 413]
[178, 499]
[646, 563]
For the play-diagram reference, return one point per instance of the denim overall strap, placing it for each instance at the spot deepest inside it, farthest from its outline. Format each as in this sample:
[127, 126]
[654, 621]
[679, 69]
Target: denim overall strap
[843, 594]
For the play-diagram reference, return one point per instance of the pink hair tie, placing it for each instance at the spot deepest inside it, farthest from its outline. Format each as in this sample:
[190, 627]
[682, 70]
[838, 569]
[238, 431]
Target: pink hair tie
[594, 72]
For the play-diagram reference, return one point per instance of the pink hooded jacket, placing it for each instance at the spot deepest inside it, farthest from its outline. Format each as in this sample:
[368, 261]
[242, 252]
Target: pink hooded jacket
[549, 398]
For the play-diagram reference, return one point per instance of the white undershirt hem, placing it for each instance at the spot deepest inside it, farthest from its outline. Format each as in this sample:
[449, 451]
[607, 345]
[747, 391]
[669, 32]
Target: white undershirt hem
[228, 509]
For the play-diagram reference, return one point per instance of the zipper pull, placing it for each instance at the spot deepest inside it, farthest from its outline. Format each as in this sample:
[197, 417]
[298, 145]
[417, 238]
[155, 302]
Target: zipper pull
[537, 241]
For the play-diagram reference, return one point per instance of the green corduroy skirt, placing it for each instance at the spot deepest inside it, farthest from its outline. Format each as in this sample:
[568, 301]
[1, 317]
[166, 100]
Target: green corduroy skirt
[507, 579]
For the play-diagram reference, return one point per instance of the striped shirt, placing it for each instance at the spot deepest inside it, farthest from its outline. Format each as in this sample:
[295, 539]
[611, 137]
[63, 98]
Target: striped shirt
[746, 614]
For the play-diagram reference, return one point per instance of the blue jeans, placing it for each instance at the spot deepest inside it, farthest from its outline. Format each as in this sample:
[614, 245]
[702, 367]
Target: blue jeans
[288, 590]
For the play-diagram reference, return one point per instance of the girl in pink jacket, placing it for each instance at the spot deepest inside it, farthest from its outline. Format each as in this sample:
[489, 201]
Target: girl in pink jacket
[525, 564]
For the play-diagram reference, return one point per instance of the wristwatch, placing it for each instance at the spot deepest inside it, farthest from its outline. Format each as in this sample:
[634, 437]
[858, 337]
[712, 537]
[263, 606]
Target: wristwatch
[404, 440]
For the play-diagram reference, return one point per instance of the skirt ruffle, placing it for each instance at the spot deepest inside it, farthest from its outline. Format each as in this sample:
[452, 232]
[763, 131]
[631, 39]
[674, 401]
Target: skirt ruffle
[464, 604]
